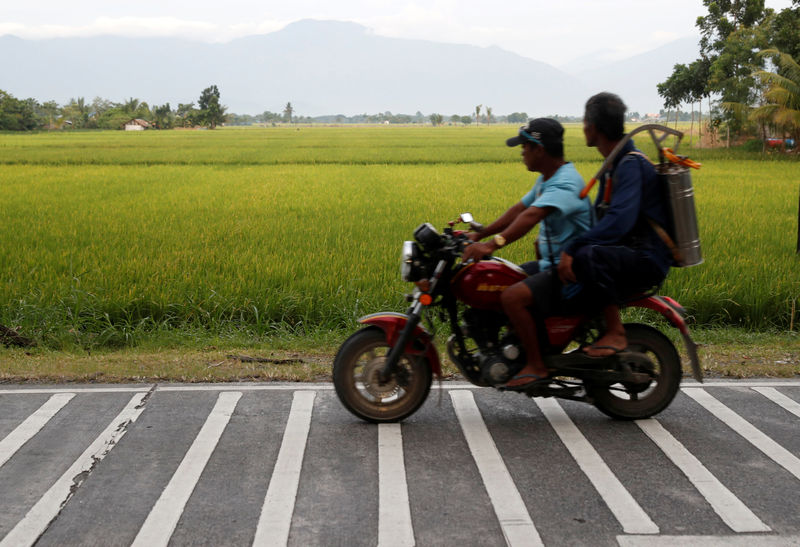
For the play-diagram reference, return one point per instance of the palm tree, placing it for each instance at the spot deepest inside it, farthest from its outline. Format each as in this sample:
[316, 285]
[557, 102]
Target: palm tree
[488, 114]
[77, 112]
[131, 106]
[287, 111]
[783, 95]
[478, 114]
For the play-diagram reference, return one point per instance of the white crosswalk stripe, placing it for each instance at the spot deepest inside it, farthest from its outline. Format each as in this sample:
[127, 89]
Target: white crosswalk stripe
[731, 510]
[395, 519]
[28, 530]
[276, 513]
[629, 514]
[394, 512]
[164, 516]
[516, 523]
[32, 425]
[779, 399]
[773, 450]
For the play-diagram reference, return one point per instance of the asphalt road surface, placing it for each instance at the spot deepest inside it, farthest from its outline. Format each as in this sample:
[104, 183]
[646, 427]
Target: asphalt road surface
[286, 464]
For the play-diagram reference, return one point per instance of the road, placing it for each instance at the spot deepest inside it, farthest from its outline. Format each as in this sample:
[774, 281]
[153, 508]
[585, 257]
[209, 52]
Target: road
[286, 464]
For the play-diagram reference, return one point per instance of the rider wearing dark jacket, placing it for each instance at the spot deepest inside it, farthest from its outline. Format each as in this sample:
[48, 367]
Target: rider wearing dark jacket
[621, 254]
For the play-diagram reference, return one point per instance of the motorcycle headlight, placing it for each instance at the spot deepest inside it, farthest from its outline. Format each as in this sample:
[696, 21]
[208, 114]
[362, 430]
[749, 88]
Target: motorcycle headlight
[410, 266]
[428, 237]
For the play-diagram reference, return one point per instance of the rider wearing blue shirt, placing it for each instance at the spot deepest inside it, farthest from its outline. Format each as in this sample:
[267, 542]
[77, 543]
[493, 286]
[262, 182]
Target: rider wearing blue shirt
[554, 201]
[571, 215]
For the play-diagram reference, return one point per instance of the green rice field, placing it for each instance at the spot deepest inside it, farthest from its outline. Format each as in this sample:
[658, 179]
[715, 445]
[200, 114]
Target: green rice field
[111, 235]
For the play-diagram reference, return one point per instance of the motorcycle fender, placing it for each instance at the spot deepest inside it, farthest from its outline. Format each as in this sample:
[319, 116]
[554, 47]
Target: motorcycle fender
[392, 323]
[673, 312]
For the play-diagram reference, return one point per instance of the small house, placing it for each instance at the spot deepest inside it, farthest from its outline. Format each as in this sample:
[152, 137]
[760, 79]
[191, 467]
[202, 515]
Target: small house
[137, 124]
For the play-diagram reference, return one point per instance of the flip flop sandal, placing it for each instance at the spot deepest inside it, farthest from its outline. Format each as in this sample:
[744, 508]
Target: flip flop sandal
[535, 378]
[612, 348]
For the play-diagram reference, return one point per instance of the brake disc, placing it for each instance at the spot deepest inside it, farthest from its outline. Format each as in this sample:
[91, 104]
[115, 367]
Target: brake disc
[372, 383]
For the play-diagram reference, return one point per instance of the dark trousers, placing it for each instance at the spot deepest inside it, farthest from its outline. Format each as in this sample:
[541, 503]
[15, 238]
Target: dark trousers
[613, 274]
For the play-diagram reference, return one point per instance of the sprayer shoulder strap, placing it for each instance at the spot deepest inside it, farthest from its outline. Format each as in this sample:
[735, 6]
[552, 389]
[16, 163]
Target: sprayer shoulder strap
[657, 228]
[610, 178]
[662, 233]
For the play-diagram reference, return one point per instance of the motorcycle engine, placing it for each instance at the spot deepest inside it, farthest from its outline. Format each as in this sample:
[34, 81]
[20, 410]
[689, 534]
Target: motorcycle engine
[499, 355]
[500, 367]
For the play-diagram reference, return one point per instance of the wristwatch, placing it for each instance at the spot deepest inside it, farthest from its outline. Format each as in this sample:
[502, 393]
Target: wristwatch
[499, 240]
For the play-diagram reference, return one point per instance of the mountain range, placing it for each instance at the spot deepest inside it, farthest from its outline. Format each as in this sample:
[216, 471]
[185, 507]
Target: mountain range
[328, 67]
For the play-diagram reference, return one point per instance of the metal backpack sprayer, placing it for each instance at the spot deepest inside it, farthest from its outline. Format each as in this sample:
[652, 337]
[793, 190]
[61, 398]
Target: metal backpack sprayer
[681, 234]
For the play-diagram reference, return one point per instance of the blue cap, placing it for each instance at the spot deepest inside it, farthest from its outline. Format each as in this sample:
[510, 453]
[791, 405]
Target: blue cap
[540, 131]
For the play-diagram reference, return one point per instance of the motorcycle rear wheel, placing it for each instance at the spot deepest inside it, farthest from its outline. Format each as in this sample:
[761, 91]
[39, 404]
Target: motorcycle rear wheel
[639, 401]
[355, 377]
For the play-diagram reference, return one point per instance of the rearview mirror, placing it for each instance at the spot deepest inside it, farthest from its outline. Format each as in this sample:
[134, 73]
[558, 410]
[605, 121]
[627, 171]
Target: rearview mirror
[466, 218]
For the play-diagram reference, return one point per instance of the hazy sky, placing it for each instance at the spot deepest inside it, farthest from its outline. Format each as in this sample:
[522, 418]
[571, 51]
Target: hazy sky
[555, 32]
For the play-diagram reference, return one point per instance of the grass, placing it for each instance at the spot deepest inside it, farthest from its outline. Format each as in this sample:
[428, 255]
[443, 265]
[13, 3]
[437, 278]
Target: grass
[198, 357]
[252, 236]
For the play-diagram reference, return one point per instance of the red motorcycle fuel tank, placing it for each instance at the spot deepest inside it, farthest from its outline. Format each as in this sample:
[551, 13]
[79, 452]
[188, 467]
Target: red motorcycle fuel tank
[479, 284]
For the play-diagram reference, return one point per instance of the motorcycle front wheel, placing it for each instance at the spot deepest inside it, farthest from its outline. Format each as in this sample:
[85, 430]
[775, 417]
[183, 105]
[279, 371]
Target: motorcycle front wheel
[356, 371]
[635, 401]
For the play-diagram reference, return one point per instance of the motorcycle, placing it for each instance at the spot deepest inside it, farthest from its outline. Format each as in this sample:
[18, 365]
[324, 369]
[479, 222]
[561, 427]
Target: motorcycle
[383, 372]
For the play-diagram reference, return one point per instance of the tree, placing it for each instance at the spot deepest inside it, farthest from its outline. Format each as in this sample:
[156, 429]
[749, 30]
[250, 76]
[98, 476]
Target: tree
[16, 114]
[675, 90]
[697, 87]
[100, 105]
[730, 38]
[134, 108]
[478, 114]
[187, 114]
[732, 33]
[49, 111]
[725, 17]
[211, 111]
[436, 119]
[489, 115]
[131, 106]
[782, 109]
[517, 117]
[731, 73]
[288, 111]
[163, 117]
[785, 30]
[77, 112]
[269, 117]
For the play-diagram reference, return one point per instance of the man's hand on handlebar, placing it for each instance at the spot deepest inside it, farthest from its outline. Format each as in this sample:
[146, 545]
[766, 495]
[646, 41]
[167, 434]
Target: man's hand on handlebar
[474, 236]
[477, 251]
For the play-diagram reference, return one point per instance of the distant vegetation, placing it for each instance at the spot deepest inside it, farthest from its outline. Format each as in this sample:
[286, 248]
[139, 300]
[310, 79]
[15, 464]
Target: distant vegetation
[269, 230]
[29, 115]
[749, 66]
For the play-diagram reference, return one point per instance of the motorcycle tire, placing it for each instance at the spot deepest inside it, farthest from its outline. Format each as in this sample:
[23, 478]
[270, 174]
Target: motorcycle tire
[355, 377]
[639, 401]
